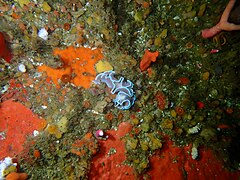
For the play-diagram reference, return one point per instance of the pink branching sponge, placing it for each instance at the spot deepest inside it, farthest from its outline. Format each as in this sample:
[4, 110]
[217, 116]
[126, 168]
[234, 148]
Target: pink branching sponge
[223, 24]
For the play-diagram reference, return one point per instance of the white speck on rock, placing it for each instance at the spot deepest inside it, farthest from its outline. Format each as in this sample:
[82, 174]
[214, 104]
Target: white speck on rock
[194, 153]
[35, 133]
[22, 68]
[42, 33]
[44, 107]
[194, 129]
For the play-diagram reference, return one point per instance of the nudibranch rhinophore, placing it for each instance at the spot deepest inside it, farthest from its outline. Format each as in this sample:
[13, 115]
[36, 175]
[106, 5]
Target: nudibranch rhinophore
[125, 97]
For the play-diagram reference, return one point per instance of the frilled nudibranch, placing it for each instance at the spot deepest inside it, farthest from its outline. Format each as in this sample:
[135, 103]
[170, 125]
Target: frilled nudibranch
[125, 97]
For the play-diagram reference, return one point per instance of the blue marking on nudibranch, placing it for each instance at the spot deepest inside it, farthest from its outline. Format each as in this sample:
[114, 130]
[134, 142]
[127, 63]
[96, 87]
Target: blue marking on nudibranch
[125, 97]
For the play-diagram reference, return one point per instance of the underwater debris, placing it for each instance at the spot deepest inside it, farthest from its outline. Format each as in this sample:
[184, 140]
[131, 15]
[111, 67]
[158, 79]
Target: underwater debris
[125, 97]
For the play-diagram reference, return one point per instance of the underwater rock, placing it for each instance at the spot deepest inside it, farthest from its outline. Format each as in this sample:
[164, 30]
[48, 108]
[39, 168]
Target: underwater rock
[87, 142]
[218, 70]
[5, 53]
[234, 16]
[167, 124]
[23, 2]
[224, 24]
[131, 143]
[190, 14]
[125, 97]
[100, 106]
[63, 124]
[202, 10]
[161, 100]
[205, 76]
[209, 134]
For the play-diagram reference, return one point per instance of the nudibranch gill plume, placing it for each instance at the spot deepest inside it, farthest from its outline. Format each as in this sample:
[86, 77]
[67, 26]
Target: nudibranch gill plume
[125, 97]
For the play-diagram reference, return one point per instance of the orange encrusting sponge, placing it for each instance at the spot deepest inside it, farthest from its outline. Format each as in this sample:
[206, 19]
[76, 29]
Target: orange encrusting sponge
[78, 63]
[17, 122]
[147, 59]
